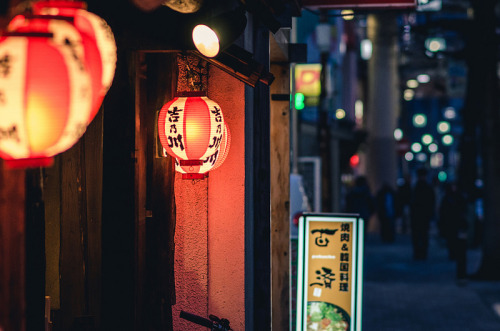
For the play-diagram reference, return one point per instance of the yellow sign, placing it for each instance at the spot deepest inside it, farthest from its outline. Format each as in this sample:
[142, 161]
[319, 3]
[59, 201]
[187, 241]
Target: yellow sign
[307, 79]
[329, 272]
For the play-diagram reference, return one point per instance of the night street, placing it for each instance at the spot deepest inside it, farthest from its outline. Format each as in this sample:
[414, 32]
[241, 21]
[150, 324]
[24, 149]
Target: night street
[402, 294]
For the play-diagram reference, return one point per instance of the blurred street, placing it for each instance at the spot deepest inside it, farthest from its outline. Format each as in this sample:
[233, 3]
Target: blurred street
[402, 294]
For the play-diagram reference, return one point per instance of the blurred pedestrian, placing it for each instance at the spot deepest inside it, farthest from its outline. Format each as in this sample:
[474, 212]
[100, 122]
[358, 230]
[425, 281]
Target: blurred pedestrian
[452, 217]
[360, 199]
[421, 212]
[403, 199]
[386, 212]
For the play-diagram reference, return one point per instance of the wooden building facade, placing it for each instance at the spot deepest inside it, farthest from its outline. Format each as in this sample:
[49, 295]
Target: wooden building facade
[113, 234]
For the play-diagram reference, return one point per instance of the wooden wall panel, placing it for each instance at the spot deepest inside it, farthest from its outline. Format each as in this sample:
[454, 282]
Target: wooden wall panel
[154, 188]
[12, 250]
[280, 188]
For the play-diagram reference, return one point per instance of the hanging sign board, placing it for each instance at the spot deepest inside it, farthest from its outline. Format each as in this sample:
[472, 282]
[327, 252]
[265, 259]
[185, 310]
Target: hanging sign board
[329, 275]
[349, 4]
[308, 82]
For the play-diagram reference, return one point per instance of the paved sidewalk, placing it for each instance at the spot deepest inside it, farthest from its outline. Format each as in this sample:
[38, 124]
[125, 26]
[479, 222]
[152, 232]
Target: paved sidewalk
[401, 294]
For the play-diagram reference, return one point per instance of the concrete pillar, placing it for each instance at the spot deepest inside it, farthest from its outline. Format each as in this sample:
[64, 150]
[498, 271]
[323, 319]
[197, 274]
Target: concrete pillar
[383, 101]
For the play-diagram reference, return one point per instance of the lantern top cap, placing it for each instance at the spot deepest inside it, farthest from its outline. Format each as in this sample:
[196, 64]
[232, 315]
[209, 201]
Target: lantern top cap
[60, 4]
[28, 34]
[191, 94]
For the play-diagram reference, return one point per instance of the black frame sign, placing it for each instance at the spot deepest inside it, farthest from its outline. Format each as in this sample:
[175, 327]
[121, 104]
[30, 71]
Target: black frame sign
[330, 272]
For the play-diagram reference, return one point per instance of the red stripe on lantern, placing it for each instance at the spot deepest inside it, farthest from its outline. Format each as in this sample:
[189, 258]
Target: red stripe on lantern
[196, 127]
[46, 117]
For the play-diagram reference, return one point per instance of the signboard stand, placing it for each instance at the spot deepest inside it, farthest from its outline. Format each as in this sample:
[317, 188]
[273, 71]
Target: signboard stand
[330, 272]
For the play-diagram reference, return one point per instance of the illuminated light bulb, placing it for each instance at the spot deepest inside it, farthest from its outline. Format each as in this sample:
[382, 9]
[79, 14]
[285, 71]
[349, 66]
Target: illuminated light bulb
[206, 40]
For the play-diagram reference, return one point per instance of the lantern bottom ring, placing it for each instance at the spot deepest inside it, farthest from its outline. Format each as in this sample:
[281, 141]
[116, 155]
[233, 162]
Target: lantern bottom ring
[29, 163]
[190, 163]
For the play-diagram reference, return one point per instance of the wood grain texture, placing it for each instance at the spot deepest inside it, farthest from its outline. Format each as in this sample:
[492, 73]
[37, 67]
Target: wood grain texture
[280, 188]
[12, 249]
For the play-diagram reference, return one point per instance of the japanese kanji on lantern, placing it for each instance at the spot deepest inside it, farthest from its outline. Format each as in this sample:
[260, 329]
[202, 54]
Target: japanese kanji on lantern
[45, 91]
[97, 39]
[191, 129]
[330, 272]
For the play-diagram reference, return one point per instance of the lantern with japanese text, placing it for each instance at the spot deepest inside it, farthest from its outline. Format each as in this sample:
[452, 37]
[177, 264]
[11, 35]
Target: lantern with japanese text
[191, 128]
[210, 163]
[97, 39]
[45, 91]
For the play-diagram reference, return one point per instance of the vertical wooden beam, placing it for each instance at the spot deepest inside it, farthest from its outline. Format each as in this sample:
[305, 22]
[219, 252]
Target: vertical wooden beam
[155, 219]
[12, 250]
[52, 198]
[35, 251]
[259, 188]
[73, 238]
[140, 188]
[280, 188]
[93, 203]
[118, 202]
[161, 176]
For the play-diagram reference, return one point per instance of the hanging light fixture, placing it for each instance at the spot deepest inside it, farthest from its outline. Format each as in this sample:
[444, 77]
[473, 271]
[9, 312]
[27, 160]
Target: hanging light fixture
[217, 33]
[210, 163]
[191, 128]
[44, 92]
[97, 39]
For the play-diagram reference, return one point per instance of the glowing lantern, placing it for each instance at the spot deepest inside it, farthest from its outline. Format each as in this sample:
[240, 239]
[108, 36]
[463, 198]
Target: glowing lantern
[98, 43]
[44, 93]
[191, 128]
[210, 163]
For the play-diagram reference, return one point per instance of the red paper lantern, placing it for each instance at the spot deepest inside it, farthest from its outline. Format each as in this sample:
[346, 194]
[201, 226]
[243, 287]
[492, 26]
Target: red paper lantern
[98, 43]
[44, 93]
[211, 162]
[191, 128]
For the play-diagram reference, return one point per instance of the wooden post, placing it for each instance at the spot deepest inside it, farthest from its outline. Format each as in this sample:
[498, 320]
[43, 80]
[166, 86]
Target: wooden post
[12, 250]
[280, 204]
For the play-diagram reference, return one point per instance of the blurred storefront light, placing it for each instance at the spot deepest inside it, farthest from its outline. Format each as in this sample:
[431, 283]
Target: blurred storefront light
[447, 139]
[398, 134]
[340, 114]
[366, 49]
[409, 156]
[443, 127]
[416, 147]
[435, 44]
[419, 120]
[347, 14]
[408, 94]
[427, 139]
[412, 83]
[421, 157]
[423, 78]
[450, 113]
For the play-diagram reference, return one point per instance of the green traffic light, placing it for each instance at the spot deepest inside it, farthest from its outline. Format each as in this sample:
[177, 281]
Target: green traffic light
[299, 101]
